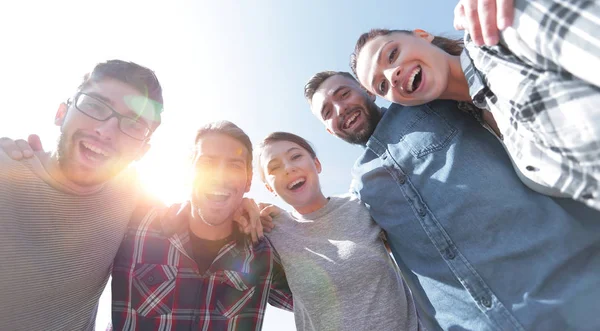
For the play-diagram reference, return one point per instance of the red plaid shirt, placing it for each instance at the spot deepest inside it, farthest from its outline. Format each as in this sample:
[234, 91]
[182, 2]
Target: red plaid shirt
[156, 284]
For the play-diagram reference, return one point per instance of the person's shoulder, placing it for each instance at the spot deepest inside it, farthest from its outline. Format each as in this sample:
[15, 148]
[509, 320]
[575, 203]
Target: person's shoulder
[7, 162]
[284, 215]
[347, 197]
[11, 168]
[434, 104]
[148, 215]
[349, 200]
[128, 178]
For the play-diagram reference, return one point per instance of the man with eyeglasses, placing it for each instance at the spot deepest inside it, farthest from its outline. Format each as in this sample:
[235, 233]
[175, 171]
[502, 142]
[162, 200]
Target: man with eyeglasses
[63, 215]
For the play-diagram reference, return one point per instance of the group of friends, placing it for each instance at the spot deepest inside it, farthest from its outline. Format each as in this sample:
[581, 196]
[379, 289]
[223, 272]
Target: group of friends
[481, 179]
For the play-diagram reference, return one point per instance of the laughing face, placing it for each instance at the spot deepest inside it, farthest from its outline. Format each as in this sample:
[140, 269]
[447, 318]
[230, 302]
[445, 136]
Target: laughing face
[345, 109]
[292, 173]
[404, 68]
[91, 152]
[222, 176]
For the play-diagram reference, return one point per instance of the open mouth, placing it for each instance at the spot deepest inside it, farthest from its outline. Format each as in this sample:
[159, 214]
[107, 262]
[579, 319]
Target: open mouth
[351, 119]
[217, 196]
[414, 80]
[93, 153]
[297, 184]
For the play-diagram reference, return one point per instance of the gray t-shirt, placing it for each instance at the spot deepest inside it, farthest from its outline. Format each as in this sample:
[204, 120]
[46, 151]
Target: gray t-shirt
[339, 271]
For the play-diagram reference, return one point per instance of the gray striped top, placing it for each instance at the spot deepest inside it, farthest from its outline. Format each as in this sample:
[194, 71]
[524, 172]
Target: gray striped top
[56, 247]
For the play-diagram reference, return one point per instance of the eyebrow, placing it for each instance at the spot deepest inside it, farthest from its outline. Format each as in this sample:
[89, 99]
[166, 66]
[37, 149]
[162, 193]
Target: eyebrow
[130, 112]
[337, 90]
[287, 152]
[271, 163]
[100, 97]
[227, 159]
[379, 53]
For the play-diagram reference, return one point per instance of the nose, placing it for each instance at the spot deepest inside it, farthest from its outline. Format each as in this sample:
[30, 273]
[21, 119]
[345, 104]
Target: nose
[339, 108]
[289, 167]
[219, 172]
[108, 129]
[393, 75]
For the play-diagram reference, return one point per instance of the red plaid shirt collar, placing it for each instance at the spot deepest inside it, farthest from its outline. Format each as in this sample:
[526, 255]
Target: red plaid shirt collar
[176, 223]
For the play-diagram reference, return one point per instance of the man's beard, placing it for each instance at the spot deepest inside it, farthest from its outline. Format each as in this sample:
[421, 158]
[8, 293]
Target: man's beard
[62, 153]
[65, 152]
[373, 116]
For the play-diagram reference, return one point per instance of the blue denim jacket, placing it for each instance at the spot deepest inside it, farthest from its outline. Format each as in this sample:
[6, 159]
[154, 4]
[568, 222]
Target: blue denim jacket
[479, 250]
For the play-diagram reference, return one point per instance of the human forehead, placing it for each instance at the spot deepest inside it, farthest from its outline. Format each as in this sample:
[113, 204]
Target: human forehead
[366, 61]
[221, 146]
[328, 88]
[123, 97]
[278, 149]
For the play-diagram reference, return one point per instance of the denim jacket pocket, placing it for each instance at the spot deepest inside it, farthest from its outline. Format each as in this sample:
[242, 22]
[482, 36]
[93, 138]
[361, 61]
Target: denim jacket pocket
[153, 288]
[427, 131]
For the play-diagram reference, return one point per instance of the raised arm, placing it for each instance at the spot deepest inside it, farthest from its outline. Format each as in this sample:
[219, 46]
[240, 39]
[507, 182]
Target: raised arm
[484, 19]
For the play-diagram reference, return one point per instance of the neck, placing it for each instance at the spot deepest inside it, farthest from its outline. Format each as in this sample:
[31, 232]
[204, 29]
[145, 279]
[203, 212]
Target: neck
[52, 167]
[207, 231]
[458, 88]
[315, 204]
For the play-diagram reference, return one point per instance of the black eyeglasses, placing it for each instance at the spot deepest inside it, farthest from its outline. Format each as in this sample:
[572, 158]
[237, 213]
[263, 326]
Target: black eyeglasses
[100, 111]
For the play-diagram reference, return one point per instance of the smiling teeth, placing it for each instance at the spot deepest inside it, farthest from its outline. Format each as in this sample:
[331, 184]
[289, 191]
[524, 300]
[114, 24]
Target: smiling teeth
[411, 79]
[352, 118]
[296, 182]
[95, 149]
[219, 193]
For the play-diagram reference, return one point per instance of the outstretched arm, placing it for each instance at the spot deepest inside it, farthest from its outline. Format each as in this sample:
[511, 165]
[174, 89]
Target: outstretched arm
[484, 19]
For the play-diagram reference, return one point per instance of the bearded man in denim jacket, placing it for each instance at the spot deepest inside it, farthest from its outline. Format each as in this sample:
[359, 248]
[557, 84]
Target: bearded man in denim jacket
[479, 250]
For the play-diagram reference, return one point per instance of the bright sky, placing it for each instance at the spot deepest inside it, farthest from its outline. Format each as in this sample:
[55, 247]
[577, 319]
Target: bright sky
[244, 61]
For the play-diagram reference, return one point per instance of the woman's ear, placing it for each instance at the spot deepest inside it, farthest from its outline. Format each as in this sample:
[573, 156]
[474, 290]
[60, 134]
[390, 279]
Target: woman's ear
[318, 165]
[423, 34]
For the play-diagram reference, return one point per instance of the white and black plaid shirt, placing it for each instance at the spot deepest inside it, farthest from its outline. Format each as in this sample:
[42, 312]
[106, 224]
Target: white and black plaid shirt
[542, 86]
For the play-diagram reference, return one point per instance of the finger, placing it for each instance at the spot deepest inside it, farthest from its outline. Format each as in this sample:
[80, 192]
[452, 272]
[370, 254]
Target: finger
[259, 230]
[241, 220]
[267, 223]
[266, 211]
[10, 148]
[459, 17]
[238, 213]
[253, 235]
[487, 19]
[472, 21]
[243, 225]
[271, 210]
[35, 143]
[24, 147]
[262, 205]
[505, 11]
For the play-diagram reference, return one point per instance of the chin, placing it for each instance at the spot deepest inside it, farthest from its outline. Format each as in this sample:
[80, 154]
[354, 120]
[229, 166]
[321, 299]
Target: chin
[89, 178]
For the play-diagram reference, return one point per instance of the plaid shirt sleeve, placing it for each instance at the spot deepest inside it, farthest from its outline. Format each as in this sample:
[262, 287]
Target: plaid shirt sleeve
[542, 86]
[280, 295]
